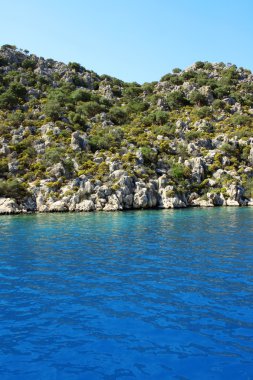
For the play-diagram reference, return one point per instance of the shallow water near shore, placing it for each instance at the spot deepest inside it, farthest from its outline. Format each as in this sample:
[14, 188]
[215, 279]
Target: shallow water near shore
[164, 294]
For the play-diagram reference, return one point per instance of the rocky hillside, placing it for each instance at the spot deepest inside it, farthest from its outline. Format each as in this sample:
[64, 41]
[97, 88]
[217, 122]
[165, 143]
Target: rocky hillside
[71, 140]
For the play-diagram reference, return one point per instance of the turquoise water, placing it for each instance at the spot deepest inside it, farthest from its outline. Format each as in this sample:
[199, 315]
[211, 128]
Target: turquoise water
[134, 295]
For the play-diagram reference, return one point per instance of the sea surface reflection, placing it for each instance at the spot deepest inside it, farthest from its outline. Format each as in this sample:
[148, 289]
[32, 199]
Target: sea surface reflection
[133, 295]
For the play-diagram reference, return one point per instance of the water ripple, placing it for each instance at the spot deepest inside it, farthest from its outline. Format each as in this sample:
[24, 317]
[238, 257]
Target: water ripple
[134, 295]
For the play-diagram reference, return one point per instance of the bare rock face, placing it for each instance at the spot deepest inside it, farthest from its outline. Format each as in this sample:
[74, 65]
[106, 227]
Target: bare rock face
[236, 196]
[57, 170]
[79, 142]
[58, 206]
[206, 91]
[106, 90]
[117, 174]
[13, 167]
[49, 128]
[41, 203]
[128, 201]
[29, 204]
[144, 196]
[4, 149]
[169, 199]
[9, 206]
[217, 199]
[113, 204]
[198, 169]
[211, 200]
[140, 199]
[86, 205]
[251, 155]
[162, 104]
[202, 202]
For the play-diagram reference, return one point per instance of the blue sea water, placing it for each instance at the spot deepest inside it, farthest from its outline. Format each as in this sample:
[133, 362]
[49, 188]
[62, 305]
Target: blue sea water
[129, 295]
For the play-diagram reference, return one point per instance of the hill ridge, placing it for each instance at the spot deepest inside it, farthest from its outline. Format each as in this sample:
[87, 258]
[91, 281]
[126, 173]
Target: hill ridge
[73, 140]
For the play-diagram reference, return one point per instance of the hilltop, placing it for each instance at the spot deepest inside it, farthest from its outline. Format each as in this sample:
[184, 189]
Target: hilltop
[71, 140]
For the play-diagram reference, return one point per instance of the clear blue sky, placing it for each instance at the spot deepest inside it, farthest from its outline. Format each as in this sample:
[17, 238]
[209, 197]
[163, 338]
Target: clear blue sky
[134, 40]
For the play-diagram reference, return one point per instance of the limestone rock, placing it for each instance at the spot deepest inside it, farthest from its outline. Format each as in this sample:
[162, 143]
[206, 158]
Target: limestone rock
[43, 208]
[79, 142]
[4, 150]
[86, 205]
[9, 206]
[250, 158]
[128, 201]
[169, 199]
[217, 199]
[29, 204]
[113, 204]
[198, 169]
[13, 167]
[50, 128]
[57, 170]
[140, 199]
[58, 206]
[117, 174]
[236, 197]
[232, 202]
[172, 202]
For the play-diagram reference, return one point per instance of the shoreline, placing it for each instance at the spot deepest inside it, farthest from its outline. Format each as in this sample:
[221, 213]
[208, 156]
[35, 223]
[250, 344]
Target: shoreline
[29, 212]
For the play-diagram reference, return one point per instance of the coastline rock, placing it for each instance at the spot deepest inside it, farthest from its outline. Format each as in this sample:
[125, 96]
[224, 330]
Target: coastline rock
[236, 198]
[9, 206]
[113, 204]
[58, 206]
[72, 140]
[86, 205]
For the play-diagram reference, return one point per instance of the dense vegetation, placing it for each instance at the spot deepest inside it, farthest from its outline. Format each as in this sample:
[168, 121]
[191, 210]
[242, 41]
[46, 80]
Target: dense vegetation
[188, 136]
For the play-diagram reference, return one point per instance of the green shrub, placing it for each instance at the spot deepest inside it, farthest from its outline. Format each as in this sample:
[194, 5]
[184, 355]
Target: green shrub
[199, 65]
[133, 90]
[149, 155]
[204, 112]
[248, 186]
[75, 66]
[177, 99]
[241, 120]
[196, 98]
[8, 100]
[229, 149]
[16, 118]
[3, 61]
[53, 156]
[218, 104]
[18, 90]
[29, 64]
[12, 188]
[3, 167]
[90, 109]
[81, 95]
[106, 138]
[179, 171]
[222, 91]
[176, 70]
[161, 117]
[118, 115]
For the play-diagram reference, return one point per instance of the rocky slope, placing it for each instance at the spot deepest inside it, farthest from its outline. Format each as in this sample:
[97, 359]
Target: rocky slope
[71, 140]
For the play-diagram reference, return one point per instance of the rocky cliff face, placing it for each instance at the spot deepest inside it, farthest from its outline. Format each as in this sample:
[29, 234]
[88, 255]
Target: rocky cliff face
[71, 140]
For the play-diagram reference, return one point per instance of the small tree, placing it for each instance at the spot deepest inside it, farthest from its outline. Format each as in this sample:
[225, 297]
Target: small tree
[196, 98]
[177, 99]
[118, 115]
